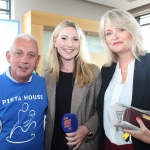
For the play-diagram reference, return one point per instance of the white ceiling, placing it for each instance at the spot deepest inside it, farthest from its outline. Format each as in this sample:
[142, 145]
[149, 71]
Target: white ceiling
[122, 4]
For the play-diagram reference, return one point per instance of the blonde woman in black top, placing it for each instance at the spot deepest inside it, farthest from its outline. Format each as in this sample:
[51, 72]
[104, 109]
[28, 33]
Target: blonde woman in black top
[73, 83]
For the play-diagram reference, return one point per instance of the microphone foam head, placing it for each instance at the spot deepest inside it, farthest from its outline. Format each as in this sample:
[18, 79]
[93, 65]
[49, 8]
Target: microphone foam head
[69, 122]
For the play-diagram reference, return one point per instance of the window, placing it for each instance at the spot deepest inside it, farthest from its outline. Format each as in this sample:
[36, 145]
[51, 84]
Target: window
[8, 30]
[144, 22]
[5, 9]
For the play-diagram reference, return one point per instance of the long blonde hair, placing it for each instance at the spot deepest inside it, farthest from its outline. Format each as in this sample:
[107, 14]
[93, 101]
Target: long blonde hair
[84, 71]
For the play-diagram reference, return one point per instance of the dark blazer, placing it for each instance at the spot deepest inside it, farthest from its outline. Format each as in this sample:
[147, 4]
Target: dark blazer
[83, 105]
[140, 95]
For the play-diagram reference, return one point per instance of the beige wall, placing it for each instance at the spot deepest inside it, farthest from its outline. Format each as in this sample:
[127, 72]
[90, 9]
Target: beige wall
[75, 8]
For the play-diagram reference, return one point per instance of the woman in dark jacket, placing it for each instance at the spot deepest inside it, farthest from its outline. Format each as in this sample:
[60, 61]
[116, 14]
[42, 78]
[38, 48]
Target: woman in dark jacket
[125, 79]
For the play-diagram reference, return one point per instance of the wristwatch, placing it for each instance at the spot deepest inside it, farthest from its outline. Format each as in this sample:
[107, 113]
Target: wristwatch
[89, 133]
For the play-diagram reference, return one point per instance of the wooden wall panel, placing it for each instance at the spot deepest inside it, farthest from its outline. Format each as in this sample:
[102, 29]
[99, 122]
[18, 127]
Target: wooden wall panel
[47, 19]
[37, 31]
[99, 58]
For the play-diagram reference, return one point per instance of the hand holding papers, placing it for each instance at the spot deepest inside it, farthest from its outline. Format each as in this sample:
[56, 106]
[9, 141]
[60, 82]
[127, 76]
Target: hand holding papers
[125, 116]
[116, 113]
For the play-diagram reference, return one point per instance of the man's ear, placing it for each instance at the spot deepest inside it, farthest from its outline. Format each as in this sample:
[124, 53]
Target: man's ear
[37, 61]
[8, 56]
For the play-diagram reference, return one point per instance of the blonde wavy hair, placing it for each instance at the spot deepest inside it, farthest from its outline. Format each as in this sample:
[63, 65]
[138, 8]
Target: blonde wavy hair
[83, 71]
[122, 19]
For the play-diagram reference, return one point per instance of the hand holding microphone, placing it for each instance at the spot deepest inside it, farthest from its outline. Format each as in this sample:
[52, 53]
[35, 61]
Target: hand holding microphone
[69, 124]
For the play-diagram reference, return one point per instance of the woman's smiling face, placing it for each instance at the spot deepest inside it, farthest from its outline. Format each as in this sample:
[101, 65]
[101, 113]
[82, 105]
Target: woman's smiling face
[67, 43]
